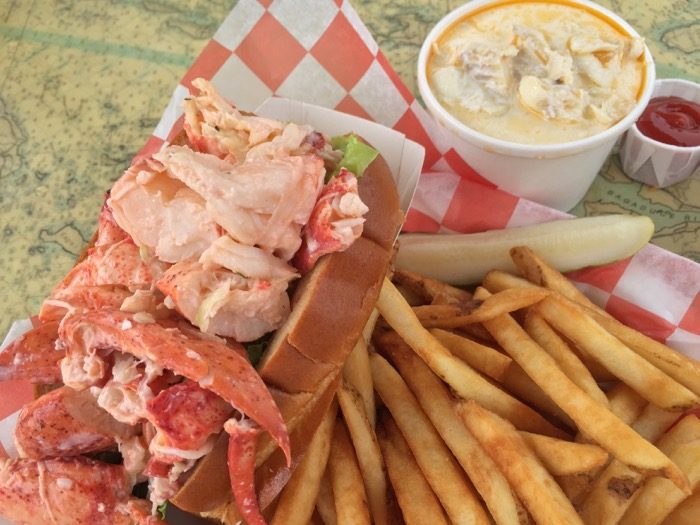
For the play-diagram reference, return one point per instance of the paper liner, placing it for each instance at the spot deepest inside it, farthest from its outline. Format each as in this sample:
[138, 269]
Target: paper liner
[321, 53]
[404, 157]
[653, 162]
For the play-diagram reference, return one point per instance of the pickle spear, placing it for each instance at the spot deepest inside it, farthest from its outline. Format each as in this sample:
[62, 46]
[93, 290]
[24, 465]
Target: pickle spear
[567, 244]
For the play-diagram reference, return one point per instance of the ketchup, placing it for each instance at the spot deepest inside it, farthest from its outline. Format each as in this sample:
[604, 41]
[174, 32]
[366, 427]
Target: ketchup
[671, 120]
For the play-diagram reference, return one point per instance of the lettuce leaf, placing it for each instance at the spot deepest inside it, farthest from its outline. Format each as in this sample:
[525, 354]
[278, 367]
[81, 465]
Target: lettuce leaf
[256, 348]
[356, 155]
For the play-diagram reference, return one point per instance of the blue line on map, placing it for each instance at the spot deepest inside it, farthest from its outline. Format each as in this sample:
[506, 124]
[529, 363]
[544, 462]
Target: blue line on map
[95, 46]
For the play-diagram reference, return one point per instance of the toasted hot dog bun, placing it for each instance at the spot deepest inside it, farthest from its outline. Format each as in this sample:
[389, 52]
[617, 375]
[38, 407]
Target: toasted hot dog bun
[330, 307]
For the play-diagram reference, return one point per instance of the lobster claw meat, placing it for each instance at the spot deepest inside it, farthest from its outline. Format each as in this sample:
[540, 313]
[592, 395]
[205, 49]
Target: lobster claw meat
[67, 491]
[185, 416]
[242, 442]
[66, 422]
[33, 356]
[206, 361]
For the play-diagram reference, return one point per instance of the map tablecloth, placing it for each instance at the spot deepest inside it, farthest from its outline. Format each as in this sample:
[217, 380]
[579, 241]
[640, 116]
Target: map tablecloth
[67, 121]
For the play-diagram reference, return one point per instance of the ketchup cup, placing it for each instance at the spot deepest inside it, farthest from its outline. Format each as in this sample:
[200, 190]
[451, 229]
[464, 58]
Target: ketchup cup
[656, 163]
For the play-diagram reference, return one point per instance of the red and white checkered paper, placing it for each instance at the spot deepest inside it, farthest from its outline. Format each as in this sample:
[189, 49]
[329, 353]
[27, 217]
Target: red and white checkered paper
[319, 51]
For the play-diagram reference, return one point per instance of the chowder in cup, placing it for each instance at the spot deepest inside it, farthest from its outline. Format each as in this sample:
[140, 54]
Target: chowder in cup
[537, 91]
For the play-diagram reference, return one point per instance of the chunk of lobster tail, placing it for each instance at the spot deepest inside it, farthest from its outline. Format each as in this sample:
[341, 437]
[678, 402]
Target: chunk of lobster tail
[33, 356]
[208, 362]
[81, 297]
[66, 422]
[336, 221]
[68, 491]
[107, 274]
[108, 231]
[118, 264]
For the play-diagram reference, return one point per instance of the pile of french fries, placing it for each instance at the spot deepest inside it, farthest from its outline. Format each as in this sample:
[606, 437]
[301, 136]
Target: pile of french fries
[521, 402]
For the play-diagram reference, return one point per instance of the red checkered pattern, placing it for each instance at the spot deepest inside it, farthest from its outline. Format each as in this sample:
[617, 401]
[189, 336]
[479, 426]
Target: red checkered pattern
[319, 51]
[323, 54]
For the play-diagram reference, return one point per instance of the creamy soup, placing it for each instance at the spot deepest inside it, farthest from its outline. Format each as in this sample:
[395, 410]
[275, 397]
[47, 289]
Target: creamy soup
[536, 73]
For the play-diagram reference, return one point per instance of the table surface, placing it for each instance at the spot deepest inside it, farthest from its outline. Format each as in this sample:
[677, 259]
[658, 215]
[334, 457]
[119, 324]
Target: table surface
[83, 83]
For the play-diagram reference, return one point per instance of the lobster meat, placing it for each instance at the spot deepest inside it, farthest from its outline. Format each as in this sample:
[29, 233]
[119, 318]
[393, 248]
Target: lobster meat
[194, 244]
[66, 422]
[33, 356]
[69, 491]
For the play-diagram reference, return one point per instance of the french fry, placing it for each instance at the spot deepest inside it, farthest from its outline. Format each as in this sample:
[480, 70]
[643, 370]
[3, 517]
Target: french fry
[565, 458]
[357, 370]
[325, 503]
[298, 499]
[536, 488]
[593, 419]
[468, 383]
[480, 357]
[612, 491]
[537, 271]
[680, 367]
[625, 403]
[503, 302]
[686, 513]
[431, 289]
[439, 293]
[659, 496]
[369, 457]
[346, 479]
[519, 384]
[438, 315]
[439, 406]
[358, 373]
[449, 298]
[369, 327]
[667, 378]
[498, 281]
[684, 431]
[418, 502]
[565, 357]
[653, 422]
[432, 455]
[598, 371]
[647, 380]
